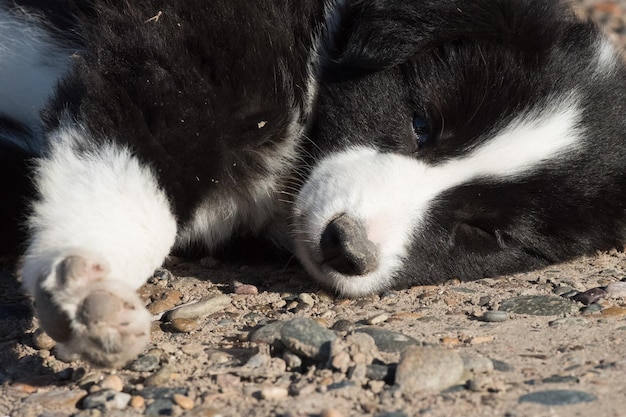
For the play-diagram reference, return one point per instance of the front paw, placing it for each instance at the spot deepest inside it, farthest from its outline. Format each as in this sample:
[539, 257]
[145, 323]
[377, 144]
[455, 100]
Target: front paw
[100, 319]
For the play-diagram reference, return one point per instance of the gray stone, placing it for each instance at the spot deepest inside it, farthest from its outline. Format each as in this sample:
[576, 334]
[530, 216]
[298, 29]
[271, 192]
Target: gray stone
[428, 368]
[308, 338]
[557, 397]
[594, 308]
[378, 372]
[387, 340]
[145, 363]
[590, 296]
[496, 316]
[343, 326]
[270, 334]
[160, 407]
[153, 393]
[476, 364]
[616, 290]
[538, 305]
[106, 399]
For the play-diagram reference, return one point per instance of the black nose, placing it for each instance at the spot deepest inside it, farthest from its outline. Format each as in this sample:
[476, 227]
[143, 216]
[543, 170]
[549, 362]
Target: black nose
[346, 248]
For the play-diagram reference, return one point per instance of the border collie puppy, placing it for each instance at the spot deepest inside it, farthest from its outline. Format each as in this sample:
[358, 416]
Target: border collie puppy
[386, 142]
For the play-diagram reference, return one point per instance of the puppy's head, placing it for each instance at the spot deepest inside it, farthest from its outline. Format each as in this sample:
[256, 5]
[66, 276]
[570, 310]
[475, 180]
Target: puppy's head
[439, 129]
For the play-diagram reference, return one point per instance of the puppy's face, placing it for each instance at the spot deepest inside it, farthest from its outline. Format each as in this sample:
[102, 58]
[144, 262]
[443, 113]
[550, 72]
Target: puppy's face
[438, 130]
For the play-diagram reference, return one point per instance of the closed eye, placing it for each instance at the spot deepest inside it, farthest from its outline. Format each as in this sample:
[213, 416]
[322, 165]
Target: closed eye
[421, 129]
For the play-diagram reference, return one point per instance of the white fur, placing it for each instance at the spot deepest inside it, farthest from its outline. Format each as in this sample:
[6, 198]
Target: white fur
[607, 58]
[392, 193]
[102, 202]
[33, 63]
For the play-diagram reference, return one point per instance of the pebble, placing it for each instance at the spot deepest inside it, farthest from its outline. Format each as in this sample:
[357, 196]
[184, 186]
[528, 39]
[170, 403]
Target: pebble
[428, 368]
[269, 334]
[590, 296]
[165, 301]
[145, 363]
[378, 319]
[137, 401]
[202, 308]
[616, 290]
[495, 316]
[307, 299]
[614, 312]
[538, 305]
[477, 364]
[160, 407]
[502, 366]
[163, 274]
[308, 338]
[183, 401]
[388, 340]
[343, 326]
[42, 341]
[107, 399]
[153, 393]
[567, 321]
[113, 382]
[379, 372]
[592, 309]
[184, 325]
[292, 360]
[159, 378]
[274, 393]
[557, 397]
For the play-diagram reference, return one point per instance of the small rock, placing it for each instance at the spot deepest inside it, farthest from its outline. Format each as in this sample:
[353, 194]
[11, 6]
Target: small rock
[42, 341]
[274, 393]
[387, 340]
[113, 382]
[590, 296]
[308, 338]
[145, 363]
[159, 378]
[160, 407]
[378, 372]
[292, 361]
[594, 308]
[270, 334]
[107, 399]
[192, 349]
[258, 360]
[343, 326]
[137, 401]
[428, 368]
[306, 299]
[538, 305]
[378, 319]
[613, 312]
[484, 300]
[495, 316]
[557, 397]
[183, 401]
[164, 301]
[184, 325]
[481, 383]
[202, 308]
[476, 364]
[153, 393]
[616, 290]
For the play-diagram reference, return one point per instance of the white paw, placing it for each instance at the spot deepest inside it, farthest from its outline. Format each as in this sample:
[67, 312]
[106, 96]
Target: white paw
[101, 320]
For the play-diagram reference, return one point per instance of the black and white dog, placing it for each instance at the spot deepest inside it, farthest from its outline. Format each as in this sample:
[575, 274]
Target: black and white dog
[385, 142]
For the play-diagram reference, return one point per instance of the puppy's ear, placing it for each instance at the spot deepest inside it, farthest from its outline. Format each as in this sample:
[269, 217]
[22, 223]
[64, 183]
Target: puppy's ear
[374, 34]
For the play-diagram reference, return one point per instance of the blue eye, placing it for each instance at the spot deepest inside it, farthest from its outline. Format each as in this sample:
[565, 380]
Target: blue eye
[421, 129]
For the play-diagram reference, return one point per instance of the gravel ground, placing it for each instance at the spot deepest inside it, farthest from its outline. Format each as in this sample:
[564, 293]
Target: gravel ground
[262, 340]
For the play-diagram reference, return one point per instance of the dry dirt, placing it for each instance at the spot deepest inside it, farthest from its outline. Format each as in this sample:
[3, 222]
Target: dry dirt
[213, 361]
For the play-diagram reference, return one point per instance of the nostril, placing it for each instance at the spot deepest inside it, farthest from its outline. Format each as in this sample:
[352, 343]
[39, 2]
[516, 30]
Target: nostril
[346, 248]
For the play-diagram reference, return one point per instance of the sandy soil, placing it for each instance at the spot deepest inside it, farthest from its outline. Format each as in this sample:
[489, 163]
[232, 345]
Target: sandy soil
[212, 360]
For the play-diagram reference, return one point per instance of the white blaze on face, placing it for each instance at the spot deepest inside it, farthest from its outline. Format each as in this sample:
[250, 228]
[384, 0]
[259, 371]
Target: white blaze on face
[391, 194]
